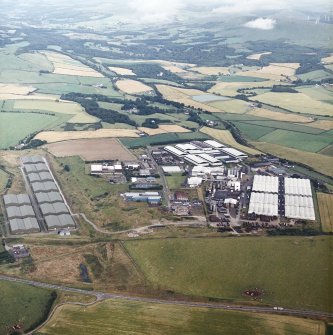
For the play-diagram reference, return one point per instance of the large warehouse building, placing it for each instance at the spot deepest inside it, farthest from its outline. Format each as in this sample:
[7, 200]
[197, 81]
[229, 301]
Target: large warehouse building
[20, 214]
[49, 201]
[290, 197]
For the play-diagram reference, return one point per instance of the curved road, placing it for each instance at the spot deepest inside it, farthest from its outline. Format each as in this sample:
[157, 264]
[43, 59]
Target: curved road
[103, 295]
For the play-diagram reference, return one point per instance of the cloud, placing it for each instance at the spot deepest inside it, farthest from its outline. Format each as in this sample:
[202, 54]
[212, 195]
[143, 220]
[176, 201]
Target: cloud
[261, 23]
[151, 11]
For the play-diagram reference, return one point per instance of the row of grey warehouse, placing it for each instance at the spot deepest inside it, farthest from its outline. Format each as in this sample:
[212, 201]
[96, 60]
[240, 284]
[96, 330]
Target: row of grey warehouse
[43, 207]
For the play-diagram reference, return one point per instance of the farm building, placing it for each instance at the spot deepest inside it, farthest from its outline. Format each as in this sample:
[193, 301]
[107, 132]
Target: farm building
[48, 197]
[61, 221]
[234, 153]
[297, 186]
[195, 160]
[33, 168]
[180, 196]
[211, 160]
[264, 204]
[149, 197]
[39, 177]
[20, 212]
[267, 184]
[171, 169]
[299, 207]
[174, 151]
[32, 159]
[185, 147]
[194, 181]
[24, 226]
[56, 208]
[214, 144]
[45, 187]
[16, 199]
[206, 171]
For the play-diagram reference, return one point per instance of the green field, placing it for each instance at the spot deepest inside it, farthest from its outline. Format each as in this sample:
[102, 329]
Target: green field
[292, 271]
[16, 126]
[24, 305]
[175, 181]
[295, 102]
[162, 139]
[317, 75]
[253, 131]
[302, 141]
[137, 318]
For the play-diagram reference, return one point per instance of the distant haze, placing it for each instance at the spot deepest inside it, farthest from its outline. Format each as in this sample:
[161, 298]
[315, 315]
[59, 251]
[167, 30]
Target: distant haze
[164, 11]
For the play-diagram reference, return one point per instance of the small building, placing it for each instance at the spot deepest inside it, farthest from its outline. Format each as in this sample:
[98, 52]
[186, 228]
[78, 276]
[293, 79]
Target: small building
[180, 196]
[171, 169]
[194, 181]
[64, 233]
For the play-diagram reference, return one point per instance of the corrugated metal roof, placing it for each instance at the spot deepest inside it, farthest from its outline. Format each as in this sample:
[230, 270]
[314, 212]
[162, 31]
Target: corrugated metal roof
[48, 197]
[16, 199]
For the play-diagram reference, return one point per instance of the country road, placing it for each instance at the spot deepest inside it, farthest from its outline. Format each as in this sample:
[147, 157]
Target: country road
[103, 295]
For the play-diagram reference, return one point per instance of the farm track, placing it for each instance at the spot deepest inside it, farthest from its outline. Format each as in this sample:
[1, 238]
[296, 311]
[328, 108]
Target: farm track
[100, 296]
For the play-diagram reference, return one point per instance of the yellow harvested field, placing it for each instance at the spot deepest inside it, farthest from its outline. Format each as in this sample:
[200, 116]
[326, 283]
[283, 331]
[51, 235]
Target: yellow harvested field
[164, 128]
[295, 102]
[275, 71]
[61, 106]
[323, 124]
[224, 136]
[327, 60]
[231, 106]
[258, 56]
[66, 65]
[16, 89]
[183, 95]
[108, 149]
[57, 136]
[12, 96]
[122, 71]
[132, 86]
[325, 203]
[211, 70]
[230, 89]
[278, 116]
[320, 163]
[173, 68]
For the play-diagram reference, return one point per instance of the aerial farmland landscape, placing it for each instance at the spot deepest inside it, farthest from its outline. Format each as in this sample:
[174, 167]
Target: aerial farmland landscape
[166, 167]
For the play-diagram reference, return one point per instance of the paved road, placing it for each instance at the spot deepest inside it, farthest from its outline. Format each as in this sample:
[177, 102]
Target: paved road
[103, 295]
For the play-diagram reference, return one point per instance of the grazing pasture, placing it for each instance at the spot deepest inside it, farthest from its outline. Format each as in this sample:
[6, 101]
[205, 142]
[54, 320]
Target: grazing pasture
[57, 136]
[3, 179]
[79, 115]
[184, 96]
[211, 70]
[163, 139]
[137, 318]
[132, 86]
[295, 102]
[16, 126]
[300, 141]
[325, 203]
[224, 136]
[320, 163]
[91, 150]
[279, 116]
[230, 88]
[231, 106]
[23, 305]
[225, 268]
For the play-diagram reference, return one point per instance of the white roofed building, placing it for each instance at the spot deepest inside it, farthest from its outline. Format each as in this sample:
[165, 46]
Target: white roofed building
[267, 184]
[264, 204]
[194, 181]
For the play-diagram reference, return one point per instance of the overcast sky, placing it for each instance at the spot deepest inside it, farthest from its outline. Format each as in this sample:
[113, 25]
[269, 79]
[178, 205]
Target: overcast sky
[167, 10]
